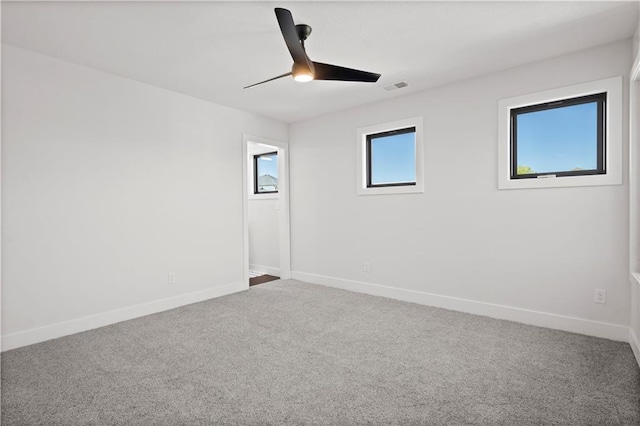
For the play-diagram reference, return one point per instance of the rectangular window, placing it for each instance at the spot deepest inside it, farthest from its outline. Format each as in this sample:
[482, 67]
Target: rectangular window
[564, 137]
[391, 158]
[265, 177]
[560, 138]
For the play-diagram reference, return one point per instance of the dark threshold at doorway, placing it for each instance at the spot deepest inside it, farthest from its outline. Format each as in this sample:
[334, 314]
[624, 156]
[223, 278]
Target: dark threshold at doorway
[262, 279]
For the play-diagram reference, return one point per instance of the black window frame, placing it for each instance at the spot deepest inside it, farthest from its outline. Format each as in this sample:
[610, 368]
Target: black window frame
[601, 101]
[255, 172]
[395, 132]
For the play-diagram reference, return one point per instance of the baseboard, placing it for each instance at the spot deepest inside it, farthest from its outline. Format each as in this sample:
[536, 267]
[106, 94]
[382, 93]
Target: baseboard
[635, 344]
[525, 316]
[265, 269]
[65, 328]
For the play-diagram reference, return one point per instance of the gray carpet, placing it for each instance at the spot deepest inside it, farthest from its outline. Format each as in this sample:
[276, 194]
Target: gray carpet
[287, 352]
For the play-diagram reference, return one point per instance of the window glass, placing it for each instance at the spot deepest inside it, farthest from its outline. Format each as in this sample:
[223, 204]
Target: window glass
[266, 173]
[392, 158]
[563, 138]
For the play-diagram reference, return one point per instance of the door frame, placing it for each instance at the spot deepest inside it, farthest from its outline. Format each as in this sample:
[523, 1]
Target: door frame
[634, 172]
[634, 204]
[284, 234]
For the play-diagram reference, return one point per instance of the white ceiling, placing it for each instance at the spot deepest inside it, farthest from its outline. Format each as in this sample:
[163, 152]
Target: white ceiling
[210, 50]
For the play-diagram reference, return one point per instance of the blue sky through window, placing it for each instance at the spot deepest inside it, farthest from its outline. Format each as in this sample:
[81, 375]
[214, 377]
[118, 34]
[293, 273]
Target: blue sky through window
[558, 139]
[393, 159]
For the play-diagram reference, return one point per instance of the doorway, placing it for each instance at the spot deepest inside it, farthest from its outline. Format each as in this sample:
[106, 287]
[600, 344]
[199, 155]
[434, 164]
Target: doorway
[266, 210]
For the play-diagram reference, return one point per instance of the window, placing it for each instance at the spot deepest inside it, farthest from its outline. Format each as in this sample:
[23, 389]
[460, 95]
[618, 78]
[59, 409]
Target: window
[265, 180]
[570, 136]
[560, 138]
[390, 158]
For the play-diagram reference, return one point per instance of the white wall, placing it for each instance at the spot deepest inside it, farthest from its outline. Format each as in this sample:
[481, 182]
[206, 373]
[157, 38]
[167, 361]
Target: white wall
[264, 251]
[542, 250]
[264, 226]
[108, 185]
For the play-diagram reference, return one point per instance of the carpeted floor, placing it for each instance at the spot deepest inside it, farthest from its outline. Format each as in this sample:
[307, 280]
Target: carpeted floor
[287, 352]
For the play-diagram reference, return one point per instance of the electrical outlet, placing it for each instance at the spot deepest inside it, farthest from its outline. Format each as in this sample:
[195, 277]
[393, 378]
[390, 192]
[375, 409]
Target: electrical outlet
[366, 266]
[600, 295]
[171, 277]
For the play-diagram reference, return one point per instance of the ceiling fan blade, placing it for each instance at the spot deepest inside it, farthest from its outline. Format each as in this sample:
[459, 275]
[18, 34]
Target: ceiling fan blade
[266, 81]
[335, 72]
[290, 35]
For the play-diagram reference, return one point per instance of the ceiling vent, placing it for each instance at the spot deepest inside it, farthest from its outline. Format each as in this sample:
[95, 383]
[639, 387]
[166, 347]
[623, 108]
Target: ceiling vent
[394, 86]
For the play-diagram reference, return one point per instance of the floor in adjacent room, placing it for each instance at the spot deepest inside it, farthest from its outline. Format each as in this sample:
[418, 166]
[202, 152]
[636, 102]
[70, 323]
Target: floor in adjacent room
[261, 279]
[291, 353]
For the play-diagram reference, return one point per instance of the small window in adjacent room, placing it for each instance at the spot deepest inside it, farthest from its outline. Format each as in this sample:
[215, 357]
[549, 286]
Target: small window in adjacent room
[571, 136]
[559, 138]
[390, 158]
[265, 177]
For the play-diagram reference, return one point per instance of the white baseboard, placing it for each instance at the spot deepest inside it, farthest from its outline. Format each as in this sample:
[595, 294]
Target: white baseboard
[526, 316]
[634, 341]
[265, 269]
[65, 328]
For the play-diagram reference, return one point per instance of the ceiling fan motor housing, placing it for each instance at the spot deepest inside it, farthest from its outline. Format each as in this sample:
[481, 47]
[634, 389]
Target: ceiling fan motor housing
[304, 31]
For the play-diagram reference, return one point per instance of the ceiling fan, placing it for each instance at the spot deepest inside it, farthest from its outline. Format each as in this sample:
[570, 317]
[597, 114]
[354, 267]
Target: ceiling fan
[304, 69]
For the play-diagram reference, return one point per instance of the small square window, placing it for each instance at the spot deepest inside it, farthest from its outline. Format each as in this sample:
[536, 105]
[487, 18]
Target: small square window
[559, 138]
[265, 180]
[391, 158]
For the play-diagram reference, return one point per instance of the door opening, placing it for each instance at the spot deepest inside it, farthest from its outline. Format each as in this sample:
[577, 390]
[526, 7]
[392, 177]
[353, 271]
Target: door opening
[266, 210]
